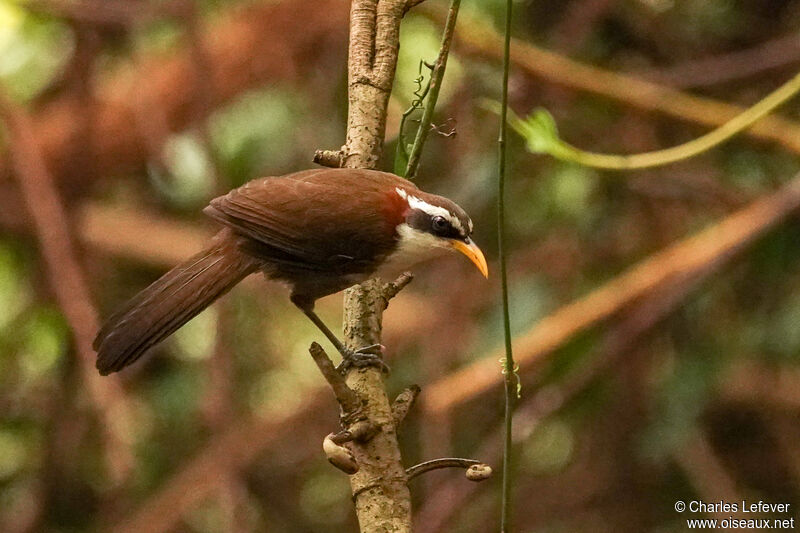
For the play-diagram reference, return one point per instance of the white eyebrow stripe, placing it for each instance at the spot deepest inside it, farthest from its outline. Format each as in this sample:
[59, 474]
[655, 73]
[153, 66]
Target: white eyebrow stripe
[433, 210]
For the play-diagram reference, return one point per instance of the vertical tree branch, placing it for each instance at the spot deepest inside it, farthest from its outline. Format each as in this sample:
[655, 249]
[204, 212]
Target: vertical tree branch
[382, 499]
[372, 58]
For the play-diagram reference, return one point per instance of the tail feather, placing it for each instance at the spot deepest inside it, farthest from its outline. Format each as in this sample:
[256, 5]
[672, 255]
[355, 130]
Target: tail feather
[171, 301]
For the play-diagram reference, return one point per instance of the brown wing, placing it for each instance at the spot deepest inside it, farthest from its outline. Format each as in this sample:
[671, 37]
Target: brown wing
[319, 219]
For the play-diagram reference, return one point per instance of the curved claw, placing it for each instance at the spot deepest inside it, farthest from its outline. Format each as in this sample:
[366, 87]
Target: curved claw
[371, 355]
[374, 349]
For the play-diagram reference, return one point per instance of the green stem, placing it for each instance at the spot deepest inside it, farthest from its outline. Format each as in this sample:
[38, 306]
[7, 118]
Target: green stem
[401, 153]
[509, 368]
[435, 84]
[567, 152]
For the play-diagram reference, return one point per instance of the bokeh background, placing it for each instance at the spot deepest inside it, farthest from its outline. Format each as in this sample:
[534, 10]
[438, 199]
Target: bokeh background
[647, 376]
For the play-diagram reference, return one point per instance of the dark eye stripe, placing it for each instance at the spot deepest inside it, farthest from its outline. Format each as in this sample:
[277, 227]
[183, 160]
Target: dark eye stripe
[437, 225]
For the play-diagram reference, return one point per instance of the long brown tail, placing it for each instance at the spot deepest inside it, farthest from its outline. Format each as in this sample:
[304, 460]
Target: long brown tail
[171, 301]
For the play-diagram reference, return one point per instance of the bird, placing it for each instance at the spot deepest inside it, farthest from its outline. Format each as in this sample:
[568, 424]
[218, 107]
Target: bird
[318, 231]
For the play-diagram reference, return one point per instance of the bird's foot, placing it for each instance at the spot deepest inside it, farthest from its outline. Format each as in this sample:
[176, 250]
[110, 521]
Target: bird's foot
[371, 355]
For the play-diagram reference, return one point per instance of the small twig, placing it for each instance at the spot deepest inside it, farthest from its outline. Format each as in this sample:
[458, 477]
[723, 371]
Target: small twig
[435, 84]
[391, 289]
[435, 464]
[451, 132]
[344, 394]
[359, 431]
[403, 403]
[329, 158]
[401, 153]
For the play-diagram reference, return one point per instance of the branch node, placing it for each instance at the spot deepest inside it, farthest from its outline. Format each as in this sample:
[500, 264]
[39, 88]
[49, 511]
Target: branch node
[403, 403]
[339, 456]
[362, 431]
[329, 158]
[476, 471]
[391, 289]
[346, 397]
[367, 486]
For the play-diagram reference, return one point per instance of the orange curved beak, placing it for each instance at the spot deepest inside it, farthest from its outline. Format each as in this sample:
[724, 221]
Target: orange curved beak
[471, 250]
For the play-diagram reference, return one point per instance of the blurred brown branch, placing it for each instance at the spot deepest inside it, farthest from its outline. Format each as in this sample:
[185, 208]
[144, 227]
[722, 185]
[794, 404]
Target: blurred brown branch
[757, 383]
[578, 22]
[104, 11]
[707, 473]
[780, 52]
[139, 234]
[67, 280]
[715, 243]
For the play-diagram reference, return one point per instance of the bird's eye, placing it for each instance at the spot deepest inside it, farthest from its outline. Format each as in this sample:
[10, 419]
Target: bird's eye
[439, 224]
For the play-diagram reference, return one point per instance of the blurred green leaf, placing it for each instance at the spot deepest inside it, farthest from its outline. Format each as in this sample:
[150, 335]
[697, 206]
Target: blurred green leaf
[681, 400]
[158, 36]
[175, 397]
[540, 132]
[196, 339]
[13, 452]
[33, 50]
[571, 190]
[421, 39]
[564, 193]
[322, 495]
[401, 160]
[549, 449]
[747, 170]
[779, 332]
[190, 182]
[257, 131]
[14, 290]
[529, 300]
[46, 340]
